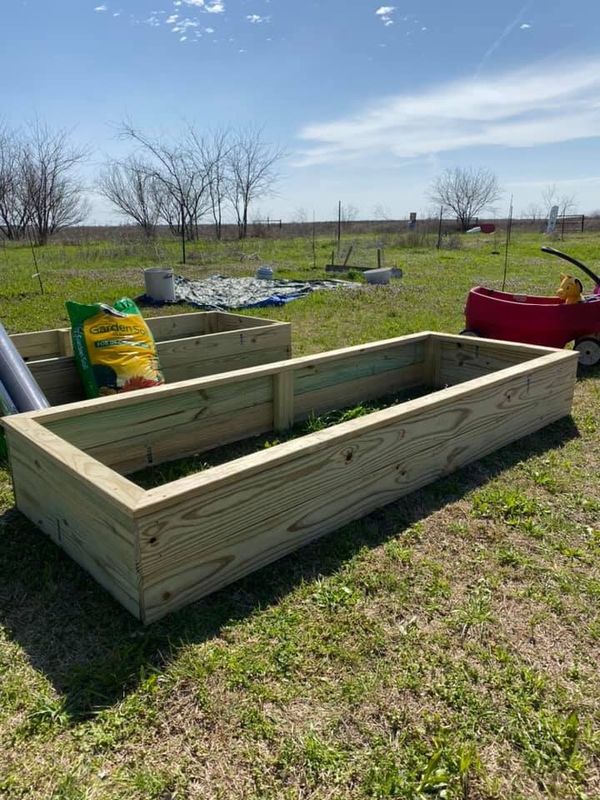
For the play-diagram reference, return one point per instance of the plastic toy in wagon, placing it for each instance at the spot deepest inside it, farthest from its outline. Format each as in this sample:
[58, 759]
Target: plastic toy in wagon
[570, 316]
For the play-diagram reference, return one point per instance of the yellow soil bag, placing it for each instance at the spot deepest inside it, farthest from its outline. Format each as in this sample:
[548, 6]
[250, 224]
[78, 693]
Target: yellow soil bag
[114, 348]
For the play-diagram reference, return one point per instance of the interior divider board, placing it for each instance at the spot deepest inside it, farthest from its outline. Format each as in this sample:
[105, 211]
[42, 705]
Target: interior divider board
[218, 531]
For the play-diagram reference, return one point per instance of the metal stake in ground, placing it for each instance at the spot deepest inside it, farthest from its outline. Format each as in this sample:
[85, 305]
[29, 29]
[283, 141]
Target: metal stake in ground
[37, 273]
[508, 230]
[439, 241]
[182, 234]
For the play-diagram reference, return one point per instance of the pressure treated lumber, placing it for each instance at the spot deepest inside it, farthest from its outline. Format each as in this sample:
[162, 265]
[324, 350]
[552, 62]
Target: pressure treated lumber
[188, 345]
[156, 550]
[186, 418]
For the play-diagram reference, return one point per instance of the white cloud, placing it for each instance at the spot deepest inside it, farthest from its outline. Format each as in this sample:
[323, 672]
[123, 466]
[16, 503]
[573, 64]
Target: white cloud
[172, 19]
[385, 14]
[101, 8]
[525, 26]
[256, 19]
[539, 105]
[209, 6]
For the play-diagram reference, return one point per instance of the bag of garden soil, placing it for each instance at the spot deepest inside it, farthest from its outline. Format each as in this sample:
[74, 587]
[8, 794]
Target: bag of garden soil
[114, 348]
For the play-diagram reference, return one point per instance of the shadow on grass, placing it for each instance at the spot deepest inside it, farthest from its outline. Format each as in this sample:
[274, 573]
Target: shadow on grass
[94, 652]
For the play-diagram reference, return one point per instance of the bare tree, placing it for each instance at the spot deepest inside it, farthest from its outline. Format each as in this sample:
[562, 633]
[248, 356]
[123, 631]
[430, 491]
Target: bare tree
[131, 187]
[534, 212]
[180, 172]
[567, 203]
[251, 165]
[214, 152]
[466, 191]
[14, 211]
[52, 189]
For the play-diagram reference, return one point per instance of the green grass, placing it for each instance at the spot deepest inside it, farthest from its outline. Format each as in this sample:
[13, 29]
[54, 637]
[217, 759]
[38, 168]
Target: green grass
[446, 646]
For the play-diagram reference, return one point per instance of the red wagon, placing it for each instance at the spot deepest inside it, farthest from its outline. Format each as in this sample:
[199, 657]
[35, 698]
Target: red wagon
[538, 320]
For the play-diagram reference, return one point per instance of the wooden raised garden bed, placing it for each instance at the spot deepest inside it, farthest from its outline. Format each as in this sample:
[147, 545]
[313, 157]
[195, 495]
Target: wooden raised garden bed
[156, 550]
[189, 346]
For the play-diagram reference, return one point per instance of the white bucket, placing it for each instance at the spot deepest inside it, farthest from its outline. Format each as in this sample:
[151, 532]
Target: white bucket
[160, 284]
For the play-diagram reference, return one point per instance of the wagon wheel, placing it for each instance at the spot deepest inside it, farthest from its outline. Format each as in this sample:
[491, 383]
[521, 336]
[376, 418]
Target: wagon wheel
[469, 332]
[589, 351]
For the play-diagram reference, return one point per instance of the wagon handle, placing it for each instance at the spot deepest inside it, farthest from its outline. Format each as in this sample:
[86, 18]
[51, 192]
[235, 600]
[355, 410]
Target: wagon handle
[574, 261]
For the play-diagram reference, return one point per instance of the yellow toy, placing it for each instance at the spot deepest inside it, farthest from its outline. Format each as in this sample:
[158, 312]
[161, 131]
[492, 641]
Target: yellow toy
[570, 289]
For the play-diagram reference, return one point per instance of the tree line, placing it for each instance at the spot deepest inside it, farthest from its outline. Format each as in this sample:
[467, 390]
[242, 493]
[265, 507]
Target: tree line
[180, 182]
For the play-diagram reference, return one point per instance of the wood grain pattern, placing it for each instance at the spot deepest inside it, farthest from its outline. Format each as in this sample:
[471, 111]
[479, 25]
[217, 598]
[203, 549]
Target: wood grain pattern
[159, 549]
[149, 433]
[283, 400]
[83, 507]
[38, 344]
[171, 424]
[231, 524]
[467, 358]
[189, 346]
[91, 407]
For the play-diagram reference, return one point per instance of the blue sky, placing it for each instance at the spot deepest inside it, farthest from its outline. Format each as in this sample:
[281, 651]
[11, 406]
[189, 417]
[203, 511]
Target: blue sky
[369, 100]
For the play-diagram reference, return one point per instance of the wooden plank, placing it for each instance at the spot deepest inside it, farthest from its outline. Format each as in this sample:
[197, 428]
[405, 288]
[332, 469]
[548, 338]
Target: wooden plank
[330, 398]
[202, 532]
[466, 358]
[37, 344]
[172, 426]
[177, 326]
[184, 358]
[58, 379]
[181, 359]
[66, 497]
[133, 435]
[234, 322]
[316, 375]
[65, 343]
[283, 400]
[93, 407]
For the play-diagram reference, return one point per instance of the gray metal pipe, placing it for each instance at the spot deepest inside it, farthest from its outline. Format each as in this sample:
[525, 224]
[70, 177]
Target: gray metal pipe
[7, 406]
[19, 383]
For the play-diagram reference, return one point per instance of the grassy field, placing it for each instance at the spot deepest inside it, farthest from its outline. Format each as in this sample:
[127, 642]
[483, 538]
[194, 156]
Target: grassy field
[447, 646]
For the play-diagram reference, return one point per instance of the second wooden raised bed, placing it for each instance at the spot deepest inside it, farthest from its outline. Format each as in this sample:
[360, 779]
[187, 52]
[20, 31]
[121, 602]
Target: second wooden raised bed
[189, 346]
[156, 550]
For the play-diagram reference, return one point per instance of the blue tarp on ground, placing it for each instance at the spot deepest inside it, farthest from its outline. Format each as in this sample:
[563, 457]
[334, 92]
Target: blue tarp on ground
[219, 293]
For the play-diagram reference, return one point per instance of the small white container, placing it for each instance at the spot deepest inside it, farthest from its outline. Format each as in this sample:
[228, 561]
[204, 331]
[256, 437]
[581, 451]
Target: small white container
[160, 284]
[378, 275]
